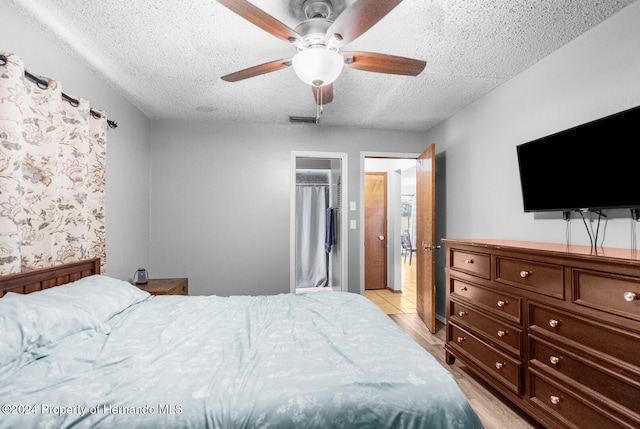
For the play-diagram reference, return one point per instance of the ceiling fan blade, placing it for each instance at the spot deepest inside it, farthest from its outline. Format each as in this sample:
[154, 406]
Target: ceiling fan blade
[257, 70]
[383, 63]
[261, 19]
[324, 94]
[359, 17]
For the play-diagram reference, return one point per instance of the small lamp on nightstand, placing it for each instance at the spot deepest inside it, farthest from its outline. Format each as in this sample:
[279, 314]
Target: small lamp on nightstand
[141, 277]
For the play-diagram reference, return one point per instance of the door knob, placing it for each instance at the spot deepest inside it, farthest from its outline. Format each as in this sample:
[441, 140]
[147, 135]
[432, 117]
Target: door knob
[381, 237]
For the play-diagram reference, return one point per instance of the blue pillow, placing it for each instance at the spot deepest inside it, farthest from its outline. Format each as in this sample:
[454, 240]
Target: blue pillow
[102, 296]
[31, 323]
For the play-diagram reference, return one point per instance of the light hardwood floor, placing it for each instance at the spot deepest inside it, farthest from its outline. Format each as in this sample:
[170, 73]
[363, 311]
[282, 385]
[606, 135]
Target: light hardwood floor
[398, 302]
[495, 411]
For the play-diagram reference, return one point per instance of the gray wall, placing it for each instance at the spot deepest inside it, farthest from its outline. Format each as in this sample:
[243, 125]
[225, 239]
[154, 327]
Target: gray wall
[593, 76]
[220, 199]
[128, 146]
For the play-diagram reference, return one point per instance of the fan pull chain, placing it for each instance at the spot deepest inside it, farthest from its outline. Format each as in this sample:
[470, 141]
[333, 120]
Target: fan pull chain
[318, 105]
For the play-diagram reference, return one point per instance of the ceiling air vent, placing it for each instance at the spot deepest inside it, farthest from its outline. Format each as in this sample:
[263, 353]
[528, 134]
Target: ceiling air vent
[304, 119]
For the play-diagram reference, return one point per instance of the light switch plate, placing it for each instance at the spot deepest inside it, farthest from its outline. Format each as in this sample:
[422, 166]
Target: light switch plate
[352, 224]
[352, 206]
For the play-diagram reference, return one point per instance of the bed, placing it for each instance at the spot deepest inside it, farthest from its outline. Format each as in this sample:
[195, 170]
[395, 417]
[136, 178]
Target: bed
[94, 351]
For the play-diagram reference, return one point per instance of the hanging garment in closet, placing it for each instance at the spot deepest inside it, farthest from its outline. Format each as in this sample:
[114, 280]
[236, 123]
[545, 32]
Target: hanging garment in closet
[330, 233]
[311, 258]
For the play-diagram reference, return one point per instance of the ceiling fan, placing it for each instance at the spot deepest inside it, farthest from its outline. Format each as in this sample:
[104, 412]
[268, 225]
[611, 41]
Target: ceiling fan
[319, 42]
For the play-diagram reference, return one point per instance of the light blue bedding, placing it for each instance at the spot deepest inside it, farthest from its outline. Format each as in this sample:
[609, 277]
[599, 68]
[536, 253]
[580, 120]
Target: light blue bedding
[321, 360]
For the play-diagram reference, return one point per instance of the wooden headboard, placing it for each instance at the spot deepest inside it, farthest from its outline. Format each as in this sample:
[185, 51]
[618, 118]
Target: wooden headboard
[32, 281]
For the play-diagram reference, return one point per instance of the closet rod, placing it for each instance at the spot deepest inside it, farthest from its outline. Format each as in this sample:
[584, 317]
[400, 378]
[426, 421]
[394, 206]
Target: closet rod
[44, 85]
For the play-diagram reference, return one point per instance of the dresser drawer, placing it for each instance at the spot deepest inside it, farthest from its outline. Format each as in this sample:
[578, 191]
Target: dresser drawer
[574, 356]
[573, 410]
[495, 331]
[499, 365]
[547, 279]
[606, 292]
[584, 333]
[496, 302]
[612, 383]
[477, 264]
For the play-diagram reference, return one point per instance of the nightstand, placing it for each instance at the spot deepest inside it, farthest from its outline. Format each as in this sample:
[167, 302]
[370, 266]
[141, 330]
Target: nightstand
[166, 286]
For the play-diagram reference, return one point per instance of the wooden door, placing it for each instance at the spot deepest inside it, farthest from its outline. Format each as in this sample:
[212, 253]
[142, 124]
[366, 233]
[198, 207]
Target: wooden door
[375, 230]
[426, 236]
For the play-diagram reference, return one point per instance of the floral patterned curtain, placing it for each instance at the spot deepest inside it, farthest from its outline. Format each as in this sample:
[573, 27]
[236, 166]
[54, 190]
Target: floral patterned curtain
[52, 174]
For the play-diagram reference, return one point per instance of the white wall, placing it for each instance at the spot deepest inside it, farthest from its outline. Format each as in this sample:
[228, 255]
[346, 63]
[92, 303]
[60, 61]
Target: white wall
[220, 199]
[128, 146]
[595, 75]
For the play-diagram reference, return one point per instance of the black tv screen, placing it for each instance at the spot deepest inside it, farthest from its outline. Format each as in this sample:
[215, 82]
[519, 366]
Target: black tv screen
[592, 166]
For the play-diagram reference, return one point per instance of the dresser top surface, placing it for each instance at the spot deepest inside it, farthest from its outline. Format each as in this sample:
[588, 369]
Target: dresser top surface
[573, 250]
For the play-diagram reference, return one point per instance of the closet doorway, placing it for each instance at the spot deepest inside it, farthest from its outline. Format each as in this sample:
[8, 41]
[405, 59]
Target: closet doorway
[318, 222]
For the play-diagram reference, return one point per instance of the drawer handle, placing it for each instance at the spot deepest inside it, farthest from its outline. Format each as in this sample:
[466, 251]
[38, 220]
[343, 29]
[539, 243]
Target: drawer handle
[502, 333]
[462, 313]
[629, 296]
[502, 303]
[555, 400]
[500, 365]
[524, 274]
[468, 261]
[464, 289]
[554, 360]
[461, 339]
[554, 323]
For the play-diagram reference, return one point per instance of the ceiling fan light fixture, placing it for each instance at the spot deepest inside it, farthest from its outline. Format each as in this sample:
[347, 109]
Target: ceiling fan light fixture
[318, 66]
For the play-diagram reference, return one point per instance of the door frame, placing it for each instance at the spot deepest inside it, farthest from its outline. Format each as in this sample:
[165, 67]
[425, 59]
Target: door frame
[363, 155]
[344, 231]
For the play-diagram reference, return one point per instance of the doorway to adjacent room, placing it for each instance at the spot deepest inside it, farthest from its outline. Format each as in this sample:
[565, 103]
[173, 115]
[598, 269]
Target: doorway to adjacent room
[389, 216]
[422, 239]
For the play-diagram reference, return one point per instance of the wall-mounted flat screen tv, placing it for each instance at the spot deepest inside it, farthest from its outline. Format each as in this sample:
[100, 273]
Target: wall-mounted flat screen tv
[592, 166]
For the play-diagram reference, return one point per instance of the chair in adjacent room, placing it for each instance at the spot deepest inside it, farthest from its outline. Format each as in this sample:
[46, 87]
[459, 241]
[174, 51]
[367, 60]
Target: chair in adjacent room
[407, 246]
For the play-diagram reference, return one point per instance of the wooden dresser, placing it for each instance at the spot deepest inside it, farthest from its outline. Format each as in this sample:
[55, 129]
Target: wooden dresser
[179, 286]
[554, 328]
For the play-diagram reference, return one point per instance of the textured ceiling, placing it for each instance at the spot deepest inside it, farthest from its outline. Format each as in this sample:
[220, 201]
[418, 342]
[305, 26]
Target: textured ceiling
[167, 56]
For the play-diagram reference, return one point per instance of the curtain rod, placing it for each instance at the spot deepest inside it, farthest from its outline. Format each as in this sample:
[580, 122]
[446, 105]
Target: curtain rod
[74, 102]
[43, 84]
